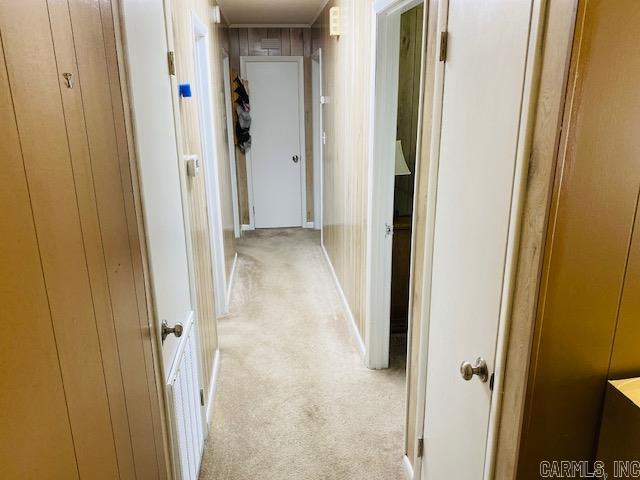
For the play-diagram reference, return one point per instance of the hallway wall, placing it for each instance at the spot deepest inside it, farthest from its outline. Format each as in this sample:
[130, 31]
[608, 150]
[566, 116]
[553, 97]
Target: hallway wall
[346, 71]
[79, 388]
[293, 42]
[191, 144]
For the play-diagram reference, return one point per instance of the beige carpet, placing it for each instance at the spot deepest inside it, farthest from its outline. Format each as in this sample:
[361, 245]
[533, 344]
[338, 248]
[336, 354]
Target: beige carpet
[294, 400]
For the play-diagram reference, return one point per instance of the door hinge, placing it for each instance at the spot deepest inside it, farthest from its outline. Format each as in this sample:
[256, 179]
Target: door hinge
[420, 447]
[444, 36]
[171, 60]
[388, 229]
[202, 397]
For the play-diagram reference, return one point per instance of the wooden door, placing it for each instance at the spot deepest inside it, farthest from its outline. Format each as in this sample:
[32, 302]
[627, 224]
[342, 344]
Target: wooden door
[482, 100]
[584, 297]
[81, 398]
[277, 154]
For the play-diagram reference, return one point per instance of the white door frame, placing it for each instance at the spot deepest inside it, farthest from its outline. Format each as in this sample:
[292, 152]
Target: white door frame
[317, 103]
[518, 199]
[226, 72]
[382, 141]
[209, 149]
[303, 158]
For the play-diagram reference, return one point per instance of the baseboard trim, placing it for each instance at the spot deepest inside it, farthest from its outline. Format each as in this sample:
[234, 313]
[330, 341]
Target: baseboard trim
[345, 305]
[309, 225]
[407, 467]
[244, 227]
[213, 385]
[232, 277]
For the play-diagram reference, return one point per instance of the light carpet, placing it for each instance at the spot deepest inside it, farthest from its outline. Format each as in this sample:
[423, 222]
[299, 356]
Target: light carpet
[294, 400]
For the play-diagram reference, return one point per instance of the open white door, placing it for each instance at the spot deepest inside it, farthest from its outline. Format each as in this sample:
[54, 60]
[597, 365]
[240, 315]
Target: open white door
[161, 179]
[485, 90]
[210, 160]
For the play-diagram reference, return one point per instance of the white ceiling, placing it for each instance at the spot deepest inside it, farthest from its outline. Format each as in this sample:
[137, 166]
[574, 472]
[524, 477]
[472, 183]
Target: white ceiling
[264, 12]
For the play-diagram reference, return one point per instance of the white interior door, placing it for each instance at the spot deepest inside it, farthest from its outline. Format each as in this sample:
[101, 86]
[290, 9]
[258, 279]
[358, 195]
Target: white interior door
[162, 178]
[276, 158]
[482, 97]
[210, 159]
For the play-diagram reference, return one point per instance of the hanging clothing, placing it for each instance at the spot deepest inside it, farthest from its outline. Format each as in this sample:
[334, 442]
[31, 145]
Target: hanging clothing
[243, 115]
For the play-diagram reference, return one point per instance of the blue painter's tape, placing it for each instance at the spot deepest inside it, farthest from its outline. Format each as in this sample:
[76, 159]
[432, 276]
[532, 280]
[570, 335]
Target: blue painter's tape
[184, 89]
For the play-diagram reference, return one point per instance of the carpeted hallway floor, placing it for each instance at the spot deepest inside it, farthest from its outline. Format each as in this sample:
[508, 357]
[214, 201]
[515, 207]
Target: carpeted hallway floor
[294, 400]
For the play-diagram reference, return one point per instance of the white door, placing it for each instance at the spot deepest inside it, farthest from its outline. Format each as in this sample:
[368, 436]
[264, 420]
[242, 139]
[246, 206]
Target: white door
[161, 181]
[208, 128]
[482, 96]
[276, 157]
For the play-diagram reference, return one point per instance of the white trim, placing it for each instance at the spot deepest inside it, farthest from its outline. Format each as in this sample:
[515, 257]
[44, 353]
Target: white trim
[345, 304]
[316, 67]
[309, 225]
[270, 25]
[207, 122]
[246, 227]
[319, 12]
[213, 386]
[303, 158]
[427, 264]
[232, 277]
[226, 73]
[407, 468]
[385, 55]
[523, 153]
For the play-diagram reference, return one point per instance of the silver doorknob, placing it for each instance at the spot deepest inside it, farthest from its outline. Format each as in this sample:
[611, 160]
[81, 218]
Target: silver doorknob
[167, 330]
[480, 369]
[295, 159]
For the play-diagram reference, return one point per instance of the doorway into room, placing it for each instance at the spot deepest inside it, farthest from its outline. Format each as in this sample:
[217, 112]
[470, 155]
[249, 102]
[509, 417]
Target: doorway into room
[397, 104]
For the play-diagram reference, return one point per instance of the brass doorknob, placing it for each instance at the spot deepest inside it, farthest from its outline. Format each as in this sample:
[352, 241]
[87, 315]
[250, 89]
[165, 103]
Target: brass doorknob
[480, 369]
[167, 330]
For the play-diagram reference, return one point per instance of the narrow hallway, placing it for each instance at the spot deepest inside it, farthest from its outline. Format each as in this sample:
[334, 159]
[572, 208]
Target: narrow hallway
[294, 399]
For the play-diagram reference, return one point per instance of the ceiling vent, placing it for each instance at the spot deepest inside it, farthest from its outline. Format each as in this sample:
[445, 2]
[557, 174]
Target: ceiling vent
[270, 43]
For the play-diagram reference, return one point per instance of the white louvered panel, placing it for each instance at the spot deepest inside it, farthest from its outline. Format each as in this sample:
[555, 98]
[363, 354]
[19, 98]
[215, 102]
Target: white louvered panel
[184, 396]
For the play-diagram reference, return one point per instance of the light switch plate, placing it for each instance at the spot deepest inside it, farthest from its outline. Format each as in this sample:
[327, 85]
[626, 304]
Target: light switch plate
[193, 165]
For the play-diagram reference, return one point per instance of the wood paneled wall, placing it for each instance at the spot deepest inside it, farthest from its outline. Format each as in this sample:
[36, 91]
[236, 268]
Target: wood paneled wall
[346, 83]
[244, 42]
[591, 254]
[79, 393]
[191, 138]
[408, 103]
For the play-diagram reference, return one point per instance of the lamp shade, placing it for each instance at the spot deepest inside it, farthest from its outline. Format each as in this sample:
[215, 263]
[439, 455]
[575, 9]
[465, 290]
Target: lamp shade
[401, 163]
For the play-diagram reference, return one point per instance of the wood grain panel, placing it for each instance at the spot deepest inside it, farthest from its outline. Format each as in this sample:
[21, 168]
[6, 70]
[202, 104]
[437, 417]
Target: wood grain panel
[408, 102]
[285, 35]
[347, 63]
[41, 123]
[105, 149]
[28, 357]
[625, 361]
[82, 158]
[587, 248]
[275, 33]
[555, 56]
[254, 38]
